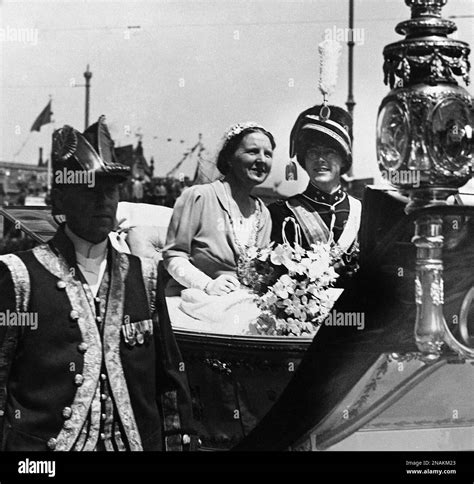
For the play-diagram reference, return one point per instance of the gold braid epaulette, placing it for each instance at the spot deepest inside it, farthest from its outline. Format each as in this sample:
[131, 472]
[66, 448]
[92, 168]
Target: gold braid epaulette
[20, 278]
[22, 287]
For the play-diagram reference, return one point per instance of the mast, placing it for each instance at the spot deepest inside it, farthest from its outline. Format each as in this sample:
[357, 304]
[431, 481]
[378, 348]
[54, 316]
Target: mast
[87, 76]
[350, 103]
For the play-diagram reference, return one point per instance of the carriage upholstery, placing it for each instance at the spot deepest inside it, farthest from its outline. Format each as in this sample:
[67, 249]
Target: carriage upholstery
[142, 228]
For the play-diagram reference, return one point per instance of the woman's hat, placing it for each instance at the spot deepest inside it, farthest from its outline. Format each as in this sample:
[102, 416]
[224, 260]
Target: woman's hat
[323, 123]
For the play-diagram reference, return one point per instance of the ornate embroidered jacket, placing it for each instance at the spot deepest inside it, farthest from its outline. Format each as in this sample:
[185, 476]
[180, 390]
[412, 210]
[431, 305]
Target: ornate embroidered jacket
[92, 373]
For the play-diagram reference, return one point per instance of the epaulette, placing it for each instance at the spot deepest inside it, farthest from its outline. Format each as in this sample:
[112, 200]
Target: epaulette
[22, 287]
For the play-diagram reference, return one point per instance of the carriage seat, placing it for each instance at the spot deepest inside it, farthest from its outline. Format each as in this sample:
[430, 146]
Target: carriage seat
[142, 229]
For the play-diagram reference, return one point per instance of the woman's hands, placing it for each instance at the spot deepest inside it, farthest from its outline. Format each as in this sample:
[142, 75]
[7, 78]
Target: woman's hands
[222, 284]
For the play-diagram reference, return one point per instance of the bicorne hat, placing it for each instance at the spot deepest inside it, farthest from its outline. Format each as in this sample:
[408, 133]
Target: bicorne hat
[322, 123]
[91, 151]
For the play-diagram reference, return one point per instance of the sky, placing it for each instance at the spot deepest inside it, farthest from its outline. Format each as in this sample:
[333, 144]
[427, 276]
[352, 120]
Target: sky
[167, 69]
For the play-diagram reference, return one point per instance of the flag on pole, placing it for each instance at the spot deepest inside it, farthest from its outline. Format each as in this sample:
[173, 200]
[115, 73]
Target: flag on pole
[43, 118]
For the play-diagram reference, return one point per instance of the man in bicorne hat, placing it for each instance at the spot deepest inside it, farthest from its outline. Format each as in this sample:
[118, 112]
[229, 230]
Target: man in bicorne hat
[321, 140]
[101, 370]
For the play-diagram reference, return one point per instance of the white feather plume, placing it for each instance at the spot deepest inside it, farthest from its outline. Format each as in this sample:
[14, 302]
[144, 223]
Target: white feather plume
[329, 54]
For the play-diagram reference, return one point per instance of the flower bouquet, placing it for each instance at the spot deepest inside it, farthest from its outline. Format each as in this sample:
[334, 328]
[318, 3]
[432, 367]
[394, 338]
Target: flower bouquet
[291, 284]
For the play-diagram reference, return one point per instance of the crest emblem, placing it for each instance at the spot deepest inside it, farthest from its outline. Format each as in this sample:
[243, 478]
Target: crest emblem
[64, 143]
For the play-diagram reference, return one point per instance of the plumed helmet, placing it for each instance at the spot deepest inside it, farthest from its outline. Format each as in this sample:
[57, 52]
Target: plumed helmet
[323, 124]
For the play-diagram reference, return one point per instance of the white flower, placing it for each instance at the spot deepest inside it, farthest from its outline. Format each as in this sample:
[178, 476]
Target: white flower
[280, 254]
[252, 253]
[269, 298]
[284, 286]
[288, 282]
[264, 253]
[280, 290]
[316, 270]
[299, 252]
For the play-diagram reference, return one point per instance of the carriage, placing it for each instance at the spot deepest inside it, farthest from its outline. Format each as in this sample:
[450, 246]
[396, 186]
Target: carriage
[405, 382]
[378, 392]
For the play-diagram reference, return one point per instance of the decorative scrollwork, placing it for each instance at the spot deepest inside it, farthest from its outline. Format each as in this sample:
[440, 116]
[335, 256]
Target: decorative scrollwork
[437, 291]
[405, 357]
[437, 65]
[418, 291]
[219, 365]
[427, 54]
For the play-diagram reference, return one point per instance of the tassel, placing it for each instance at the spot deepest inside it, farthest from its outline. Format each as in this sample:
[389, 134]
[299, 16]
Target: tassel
[291, 171]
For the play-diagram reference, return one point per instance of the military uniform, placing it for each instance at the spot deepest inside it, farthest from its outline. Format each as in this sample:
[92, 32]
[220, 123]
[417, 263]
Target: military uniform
[320, 216]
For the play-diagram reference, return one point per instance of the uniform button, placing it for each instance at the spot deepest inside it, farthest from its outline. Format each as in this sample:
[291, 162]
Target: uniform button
[52, 442]
[61, 285]
[103, 376]
[67, 412]
[68, 424]
[103, 397]
[74, 315]
[102, 436]
[98, 319]
[78, 379]
[82, 347]
[97, 300]
[103, 416]
[186, 439]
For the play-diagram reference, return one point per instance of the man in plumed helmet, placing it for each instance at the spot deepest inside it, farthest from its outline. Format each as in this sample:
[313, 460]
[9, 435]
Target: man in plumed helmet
[100, 368]
[321, 139]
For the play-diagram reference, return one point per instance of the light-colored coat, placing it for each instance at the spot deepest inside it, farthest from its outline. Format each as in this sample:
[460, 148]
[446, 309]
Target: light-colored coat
[200, 230]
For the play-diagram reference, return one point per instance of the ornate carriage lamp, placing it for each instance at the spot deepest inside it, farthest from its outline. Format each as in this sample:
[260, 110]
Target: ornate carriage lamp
[424, 148]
